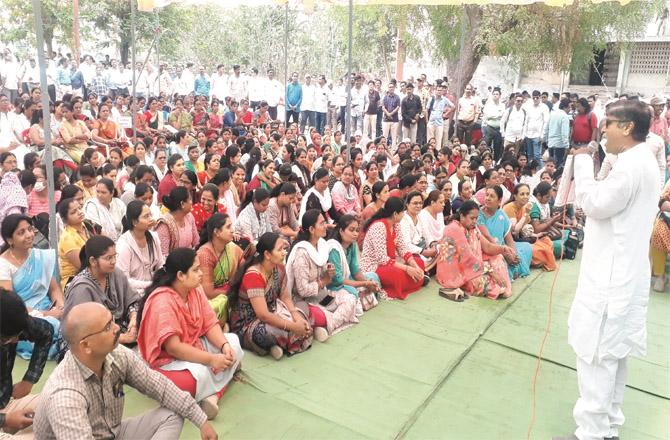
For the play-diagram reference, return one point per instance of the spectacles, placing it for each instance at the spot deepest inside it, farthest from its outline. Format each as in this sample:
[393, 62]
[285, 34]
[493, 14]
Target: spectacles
[105, 329]
[109, 258]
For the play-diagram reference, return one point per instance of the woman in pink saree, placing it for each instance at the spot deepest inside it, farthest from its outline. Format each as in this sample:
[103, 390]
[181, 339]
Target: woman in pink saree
[468, 263]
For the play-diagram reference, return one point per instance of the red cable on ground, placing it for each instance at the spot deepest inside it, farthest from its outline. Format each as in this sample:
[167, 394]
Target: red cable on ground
[545, 336]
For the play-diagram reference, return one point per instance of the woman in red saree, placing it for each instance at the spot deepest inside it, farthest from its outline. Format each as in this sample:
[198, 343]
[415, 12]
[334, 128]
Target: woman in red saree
[469, 264]
[386, 253]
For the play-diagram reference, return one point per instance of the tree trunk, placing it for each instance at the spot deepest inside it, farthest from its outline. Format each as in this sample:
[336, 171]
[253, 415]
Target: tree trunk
[124, 49]
[461, 71]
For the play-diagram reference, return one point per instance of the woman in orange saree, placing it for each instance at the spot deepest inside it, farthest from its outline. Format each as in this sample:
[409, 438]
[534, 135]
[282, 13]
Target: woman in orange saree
[469, 264]
[518, 210]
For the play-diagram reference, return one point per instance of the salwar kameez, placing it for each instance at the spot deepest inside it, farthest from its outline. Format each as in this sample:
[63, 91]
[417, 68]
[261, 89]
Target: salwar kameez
[542, 250]
[382, 245]
[304, 267]
[347, 266]
[462, 264]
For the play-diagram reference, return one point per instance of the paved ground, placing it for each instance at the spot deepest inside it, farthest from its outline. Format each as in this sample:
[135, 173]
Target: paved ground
[428, 368]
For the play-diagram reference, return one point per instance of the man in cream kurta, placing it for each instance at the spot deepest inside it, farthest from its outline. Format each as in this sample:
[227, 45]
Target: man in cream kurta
[607, 321]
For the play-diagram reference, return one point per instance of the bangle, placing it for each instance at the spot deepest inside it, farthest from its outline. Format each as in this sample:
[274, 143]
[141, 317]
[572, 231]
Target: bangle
[284, 325]
[223, 345]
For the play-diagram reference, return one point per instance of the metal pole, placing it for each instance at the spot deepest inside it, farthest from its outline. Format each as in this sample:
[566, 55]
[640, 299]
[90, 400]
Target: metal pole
[46, 121]
[158, 56]
[133, 111]
[285, 60]
[348, 119]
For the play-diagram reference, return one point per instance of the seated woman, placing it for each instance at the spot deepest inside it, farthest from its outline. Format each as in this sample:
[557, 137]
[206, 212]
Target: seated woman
[74, 133]
[431, 216]
[348, 275]
[180, 336]
[280, 213]
[469, 264]
[106, 209]
[265, 178]
[252, 222]
[346, 198]
[414, 234]
[76, 231]
[380, 194]
[542, 220]
[139, 252]
[465, 192]
[31, 274]
[386, 252]
[207, 206]
[105, 131]
[262, 311]
[99, 280]
[489, 179]
[308, 273]
[518, 211]
[497, 228]
[176, 228]
[219, 259]
[176, 168]
[212, 166]
[318, 196]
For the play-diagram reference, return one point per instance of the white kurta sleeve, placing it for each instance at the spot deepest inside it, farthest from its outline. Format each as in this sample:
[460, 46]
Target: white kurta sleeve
[601, 199]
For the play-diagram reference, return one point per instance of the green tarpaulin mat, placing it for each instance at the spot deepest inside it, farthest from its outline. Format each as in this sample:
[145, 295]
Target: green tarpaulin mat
[428, 368]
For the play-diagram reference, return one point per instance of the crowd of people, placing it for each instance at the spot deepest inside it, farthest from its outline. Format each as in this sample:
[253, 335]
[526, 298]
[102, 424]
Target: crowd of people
[220, 228]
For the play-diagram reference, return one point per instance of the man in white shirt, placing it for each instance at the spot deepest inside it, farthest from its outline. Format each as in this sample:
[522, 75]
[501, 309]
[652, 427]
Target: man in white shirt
[358, 93]
[440, 109]
[255, 85]
[492, 114]
[9, 76]
[537, 116]
[513, 125]
[273, 93]
[321, 93]
[219, 83]
[607, 320]
[186, 81]
[87, 69]
[166, 84]
[30, 76]
[237, 84]
[307, 113]
[8, 140]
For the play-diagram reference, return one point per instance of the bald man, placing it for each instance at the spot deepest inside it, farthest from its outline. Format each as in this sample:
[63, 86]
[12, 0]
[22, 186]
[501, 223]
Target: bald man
[84, 396]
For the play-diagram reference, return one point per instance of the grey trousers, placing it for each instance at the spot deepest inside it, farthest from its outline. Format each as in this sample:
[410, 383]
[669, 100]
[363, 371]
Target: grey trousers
[159, 424]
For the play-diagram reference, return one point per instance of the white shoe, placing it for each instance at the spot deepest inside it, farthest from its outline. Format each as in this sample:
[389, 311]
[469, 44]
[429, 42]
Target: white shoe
[659, 284]
[210, 406]
[320, 334]
[276, 352]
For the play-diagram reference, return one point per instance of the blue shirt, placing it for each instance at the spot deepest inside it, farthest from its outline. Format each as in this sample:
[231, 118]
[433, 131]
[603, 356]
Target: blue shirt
[293, 96]
[557, 130]
[201, 85]
[390, 103]
[439, 106]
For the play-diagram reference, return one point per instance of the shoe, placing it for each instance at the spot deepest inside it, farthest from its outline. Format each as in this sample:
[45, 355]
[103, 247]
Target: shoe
[276, 352]
[612, 438]
[320, 334]
[451, 294]
[210, 406]
[572, 437]
[426, 280]
[659, 284]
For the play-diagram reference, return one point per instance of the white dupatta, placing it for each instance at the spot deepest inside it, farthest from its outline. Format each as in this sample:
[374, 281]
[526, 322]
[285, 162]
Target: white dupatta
[319, 256]
[325, 200]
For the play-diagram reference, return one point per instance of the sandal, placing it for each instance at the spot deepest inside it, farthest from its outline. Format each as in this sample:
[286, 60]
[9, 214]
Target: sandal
[455, 295]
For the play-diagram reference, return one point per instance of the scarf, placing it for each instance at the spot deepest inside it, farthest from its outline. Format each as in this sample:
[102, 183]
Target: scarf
[318, 255]
[342, 188]
[325, 200]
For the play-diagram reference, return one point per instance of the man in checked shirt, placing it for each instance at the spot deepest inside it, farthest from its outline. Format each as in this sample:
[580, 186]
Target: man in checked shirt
[84, 396]
[16, 402]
